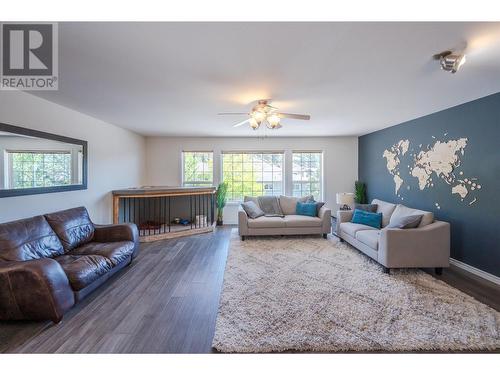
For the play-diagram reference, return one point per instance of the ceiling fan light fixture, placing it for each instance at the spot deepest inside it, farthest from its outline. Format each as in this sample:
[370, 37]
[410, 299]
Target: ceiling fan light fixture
[259, 116]
[274, 120]
[254, 124]
[265, 114]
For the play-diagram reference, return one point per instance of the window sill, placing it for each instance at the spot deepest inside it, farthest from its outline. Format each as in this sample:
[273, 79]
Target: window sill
[233, 203]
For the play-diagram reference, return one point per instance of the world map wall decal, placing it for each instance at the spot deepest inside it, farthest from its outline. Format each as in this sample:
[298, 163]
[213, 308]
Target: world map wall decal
[438, 162]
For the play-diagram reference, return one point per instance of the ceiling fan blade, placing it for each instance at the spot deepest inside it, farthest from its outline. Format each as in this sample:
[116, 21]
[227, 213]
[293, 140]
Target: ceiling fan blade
[233, 113]
[295, 116]
[241, 123]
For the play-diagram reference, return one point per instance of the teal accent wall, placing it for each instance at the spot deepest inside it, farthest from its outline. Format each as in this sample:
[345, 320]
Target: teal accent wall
[475, 226]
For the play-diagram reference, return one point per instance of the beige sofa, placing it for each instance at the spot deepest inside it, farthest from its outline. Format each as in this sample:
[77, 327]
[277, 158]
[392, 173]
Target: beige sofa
[427, 246]
[291, 223]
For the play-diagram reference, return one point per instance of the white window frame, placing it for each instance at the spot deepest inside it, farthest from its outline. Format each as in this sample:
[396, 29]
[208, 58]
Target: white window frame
[283, 167]
[321, 178]
[201, 183]
[9, 172]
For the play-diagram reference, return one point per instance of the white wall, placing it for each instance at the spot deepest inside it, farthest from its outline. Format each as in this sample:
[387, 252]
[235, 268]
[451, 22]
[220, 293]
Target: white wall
[340, 160]
[116, 157]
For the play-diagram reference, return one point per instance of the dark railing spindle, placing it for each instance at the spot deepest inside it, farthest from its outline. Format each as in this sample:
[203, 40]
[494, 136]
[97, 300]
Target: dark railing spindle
[153, 215]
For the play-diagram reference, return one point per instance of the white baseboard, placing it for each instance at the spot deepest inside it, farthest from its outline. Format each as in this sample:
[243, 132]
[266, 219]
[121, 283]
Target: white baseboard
[475, 271]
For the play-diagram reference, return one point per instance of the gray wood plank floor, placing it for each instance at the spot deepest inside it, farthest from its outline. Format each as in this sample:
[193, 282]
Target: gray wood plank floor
[165, 302]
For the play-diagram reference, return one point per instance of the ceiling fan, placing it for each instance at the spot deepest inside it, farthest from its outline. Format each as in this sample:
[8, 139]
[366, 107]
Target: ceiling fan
[263, 112]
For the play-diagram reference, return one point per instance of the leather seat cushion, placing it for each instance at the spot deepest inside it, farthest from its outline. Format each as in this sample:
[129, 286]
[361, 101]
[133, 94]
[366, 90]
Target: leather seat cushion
[116, 252]
[28, 239]
[351, 228]
[369, 238]
[73, 227]
[266, 222]
[82, 270]
[301, 221]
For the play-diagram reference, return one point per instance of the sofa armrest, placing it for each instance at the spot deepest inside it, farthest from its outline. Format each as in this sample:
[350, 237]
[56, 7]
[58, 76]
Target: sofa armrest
[34, 289]
[428, 246]
[325, 214]
[242, 222]
[118, 232]
[343, 216]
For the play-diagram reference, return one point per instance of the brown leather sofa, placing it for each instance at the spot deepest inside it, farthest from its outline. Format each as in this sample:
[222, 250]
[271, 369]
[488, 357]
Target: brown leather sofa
[48, 263]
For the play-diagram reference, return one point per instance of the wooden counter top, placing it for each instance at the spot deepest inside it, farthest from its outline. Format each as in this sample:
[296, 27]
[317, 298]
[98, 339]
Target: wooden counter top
[163, 190]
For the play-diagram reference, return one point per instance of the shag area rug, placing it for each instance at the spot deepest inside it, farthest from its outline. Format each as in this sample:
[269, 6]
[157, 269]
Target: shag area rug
[312, 294]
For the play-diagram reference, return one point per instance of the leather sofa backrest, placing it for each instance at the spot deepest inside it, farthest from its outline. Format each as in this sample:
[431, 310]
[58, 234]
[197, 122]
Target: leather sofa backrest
[73, 227]
[28, 239]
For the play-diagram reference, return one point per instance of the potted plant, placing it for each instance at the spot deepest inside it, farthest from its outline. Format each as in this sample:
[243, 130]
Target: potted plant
[220, 201]
[360, 192]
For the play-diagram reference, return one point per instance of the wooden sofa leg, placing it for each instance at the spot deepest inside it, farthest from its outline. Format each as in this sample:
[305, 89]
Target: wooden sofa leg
[387, 270]
[243, 238]
[438, 270]
[325, 236]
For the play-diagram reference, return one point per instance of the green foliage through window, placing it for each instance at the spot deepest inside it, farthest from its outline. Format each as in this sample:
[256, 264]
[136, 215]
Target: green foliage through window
[252, 174]
[197, 168]
[39, 169]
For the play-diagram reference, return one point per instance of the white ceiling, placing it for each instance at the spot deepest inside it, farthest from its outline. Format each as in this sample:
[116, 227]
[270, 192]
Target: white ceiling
[352, 78]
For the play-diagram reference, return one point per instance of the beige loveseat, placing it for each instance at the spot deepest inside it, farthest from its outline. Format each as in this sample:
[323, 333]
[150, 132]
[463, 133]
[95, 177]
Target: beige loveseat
[427, 246]
[290, 223]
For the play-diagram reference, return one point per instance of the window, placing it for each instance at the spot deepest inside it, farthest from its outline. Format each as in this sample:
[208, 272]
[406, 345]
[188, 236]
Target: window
[197, 168]
[252, 174]
[307, 174]
[32, 169]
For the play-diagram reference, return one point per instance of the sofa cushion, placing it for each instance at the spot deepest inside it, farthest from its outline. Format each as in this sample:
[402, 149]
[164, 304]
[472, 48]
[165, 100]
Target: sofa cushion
[266, 222]
[73, 227]
[307, 209]
[116, 252]
[386, 209]
[270, 205]
[405, 222]
[28, 239]
[318, 204]
[301, 221]
[369, 238]
[401, 211]
[251, 199]
[252, 209]
[366, 207]
[371, 219]
[82, 270]
[289, 204]
[351, 228]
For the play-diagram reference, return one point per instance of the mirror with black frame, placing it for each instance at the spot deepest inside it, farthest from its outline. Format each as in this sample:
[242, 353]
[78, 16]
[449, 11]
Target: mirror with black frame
[34, 162]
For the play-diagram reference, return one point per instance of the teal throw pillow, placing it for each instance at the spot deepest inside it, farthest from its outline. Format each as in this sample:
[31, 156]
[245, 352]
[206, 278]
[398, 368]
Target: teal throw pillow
[307, 209]
[371, 219]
